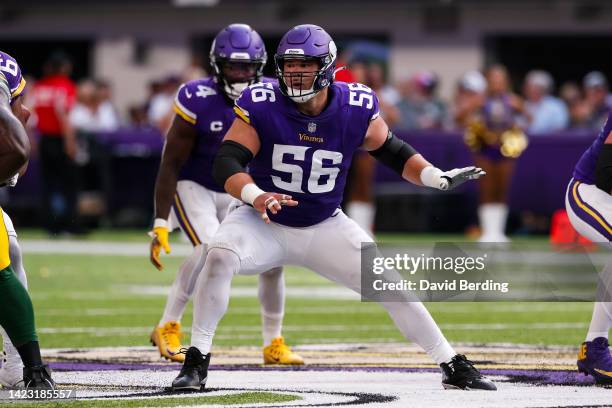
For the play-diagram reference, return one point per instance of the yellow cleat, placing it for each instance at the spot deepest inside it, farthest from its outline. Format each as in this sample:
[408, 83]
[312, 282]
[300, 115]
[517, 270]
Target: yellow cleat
[167, 338]
[279, 353]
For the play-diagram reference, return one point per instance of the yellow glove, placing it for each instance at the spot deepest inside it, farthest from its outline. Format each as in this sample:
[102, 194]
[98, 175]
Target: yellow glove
[159, 241]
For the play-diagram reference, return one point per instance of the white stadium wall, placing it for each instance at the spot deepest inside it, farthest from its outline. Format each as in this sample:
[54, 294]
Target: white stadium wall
[114, 60]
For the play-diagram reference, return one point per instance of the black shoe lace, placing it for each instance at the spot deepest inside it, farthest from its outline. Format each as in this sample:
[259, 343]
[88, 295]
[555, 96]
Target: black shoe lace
[462, 364]
[193, 358]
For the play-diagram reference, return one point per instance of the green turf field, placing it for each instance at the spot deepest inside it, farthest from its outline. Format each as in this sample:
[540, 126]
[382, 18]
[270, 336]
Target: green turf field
[87, 301]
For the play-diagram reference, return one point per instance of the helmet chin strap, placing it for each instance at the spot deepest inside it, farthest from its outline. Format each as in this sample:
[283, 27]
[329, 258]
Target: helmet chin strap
[301, 98]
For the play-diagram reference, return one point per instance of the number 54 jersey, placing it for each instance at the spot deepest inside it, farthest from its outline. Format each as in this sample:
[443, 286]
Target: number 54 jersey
[202, 104]
[307, 157]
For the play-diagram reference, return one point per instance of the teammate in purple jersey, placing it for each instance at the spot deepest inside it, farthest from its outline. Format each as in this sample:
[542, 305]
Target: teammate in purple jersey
[22, 365]
[588, 202]
[187, 196]
[298, 137]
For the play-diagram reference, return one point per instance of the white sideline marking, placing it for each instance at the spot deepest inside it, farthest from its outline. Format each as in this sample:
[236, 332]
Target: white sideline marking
[298, 292]
[130, 330]
[48, 246]
[456, 308]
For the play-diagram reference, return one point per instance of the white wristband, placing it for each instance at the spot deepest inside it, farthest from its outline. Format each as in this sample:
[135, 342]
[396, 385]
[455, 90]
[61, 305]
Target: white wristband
[432, 177]
[250, 192]
[160, 222]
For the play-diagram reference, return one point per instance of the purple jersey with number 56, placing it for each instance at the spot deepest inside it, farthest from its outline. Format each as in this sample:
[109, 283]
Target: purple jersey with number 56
[202, 104]
[585, 168]
[307, 157]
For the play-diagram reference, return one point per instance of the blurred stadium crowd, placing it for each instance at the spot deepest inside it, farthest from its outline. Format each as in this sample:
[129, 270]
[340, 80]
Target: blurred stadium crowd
[539, 105]
[69, 119]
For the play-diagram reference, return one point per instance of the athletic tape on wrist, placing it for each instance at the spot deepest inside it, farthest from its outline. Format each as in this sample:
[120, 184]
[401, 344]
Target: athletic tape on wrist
[250, 192]
[431, 176]
[160, 223]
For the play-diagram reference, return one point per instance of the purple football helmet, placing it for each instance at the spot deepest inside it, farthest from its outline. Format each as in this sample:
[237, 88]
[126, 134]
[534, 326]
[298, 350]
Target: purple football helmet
[237, 44]
[308, 42]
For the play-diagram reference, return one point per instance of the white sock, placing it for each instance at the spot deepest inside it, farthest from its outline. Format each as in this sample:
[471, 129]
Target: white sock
[183, 286]
[417, 325]
[493, 218]
[500, 216]
[272, 300]
[363, 214]
[601, 321]
[484, 216]
[212, 295]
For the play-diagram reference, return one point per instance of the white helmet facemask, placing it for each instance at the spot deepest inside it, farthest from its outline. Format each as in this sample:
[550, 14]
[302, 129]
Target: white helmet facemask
[234, 90]
[295, 94]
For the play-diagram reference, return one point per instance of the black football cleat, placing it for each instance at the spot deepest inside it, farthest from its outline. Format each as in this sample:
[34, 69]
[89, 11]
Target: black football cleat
[38, 378]
[194, 372]
[460, 374]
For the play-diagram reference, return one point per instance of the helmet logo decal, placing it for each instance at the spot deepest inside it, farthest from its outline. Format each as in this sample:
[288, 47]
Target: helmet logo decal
[240, 55]
[294, 51]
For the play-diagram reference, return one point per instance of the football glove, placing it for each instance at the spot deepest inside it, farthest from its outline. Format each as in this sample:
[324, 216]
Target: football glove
[159, 241]
[456, 177]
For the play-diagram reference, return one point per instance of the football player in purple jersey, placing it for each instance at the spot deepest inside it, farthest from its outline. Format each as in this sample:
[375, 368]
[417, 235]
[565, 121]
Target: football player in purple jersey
[22, 365]
[298, 138]
[588, 202]
[187, 196]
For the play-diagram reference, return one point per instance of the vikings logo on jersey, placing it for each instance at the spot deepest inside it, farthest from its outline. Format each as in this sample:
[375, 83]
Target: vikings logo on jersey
[203, 104]
[12, 72]
[307, 157]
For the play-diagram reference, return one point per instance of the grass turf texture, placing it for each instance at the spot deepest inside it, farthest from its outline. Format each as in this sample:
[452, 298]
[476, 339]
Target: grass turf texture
[89, 301]
[184, 400]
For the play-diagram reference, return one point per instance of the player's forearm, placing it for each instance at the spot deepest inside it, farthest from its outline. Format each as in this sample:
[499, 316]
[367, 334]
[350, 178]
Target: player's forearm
[413, 168]
[16, 145]
[406, 161]
[236, 184]
[165, 187]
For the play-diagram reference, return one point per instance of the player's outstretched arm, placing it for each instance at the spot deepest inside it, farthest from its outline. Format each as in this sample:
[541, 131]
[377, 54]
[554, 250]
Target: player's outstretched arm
[240, 144]
[14, 142]
[180, 141]
[401, 157]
